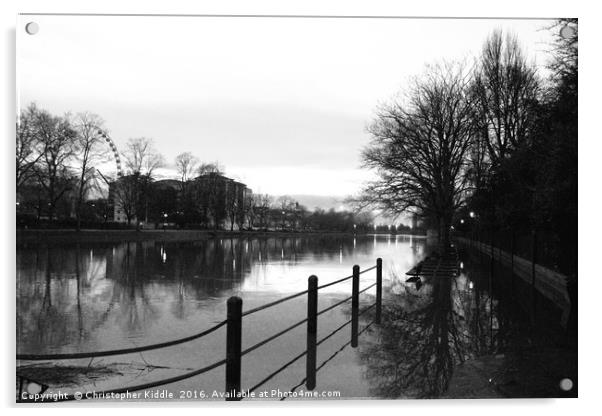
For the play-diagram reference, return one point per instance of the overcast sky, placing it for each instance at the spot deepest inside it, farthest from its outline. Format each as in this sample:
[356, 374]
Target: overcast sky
[282, 103]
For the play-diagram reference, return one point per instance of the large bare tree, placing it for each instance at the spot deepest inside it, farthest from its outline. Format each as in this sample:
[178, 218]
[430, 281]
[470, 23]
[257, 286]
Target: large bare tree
[186, 165]
[28, 146]
[142, 157]
[89, 153]
[58, 141]
[132, 191]
[419, 148]
[505, 89]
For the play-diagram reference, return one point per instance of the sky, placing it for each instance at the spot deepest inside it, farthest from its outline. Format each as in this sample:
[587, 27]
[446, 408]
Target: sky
[282, 104]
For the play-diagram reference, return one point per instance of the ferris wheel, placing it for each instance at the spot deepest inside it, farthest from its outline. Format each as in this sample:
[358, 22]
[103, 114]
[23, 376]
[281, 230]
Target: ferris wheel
[111, 144]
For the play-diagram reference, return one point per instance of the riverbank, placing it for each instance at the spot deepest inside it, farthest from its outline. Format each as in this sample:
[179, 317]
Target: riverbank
[550, 283]
[48, 236]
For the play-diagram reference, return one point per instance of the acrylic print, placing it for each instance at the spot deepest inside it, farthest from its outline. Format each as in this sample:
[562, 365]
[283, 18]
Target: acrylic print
[217, 208]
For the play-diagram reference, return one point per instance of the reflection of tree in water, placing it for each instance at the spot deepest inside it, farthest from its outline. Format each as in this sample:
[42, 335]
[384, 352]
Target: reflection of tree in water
[58, 293]
[424, 334]
[136, 312]
[67, 292]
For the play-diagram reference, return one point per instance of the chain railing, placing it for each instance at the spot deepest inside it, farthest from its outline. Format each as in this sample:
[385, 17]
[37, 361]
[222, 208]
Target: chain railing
[234, 351]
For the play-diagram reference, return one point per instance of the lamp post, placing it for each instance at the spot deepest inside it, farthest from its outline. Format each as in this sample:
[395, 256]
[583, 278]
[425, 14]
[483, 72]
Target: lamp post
[473, 225]
[164, 221]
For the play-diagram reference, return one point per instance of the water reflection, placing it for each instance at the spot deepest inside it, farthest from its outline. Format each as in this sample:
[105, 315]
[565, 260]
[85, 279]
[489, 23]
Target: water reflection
[432, 325]
[84, 297]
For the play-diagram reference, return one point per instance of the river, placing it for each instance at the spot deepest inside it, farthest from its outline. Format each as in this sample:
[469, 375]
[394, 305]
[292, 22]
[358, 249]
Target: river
[84, 297]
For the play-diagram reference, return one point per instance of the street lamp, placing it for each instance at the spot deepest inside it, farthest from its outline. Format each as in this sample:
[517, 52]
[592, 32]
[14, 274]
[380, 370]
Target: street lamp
[462, 221]
[472, 214]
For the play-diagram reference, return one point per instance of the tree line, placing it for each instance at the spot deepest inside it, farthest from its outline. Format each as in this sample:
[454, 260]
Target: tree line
[489, 145]
[59, 182]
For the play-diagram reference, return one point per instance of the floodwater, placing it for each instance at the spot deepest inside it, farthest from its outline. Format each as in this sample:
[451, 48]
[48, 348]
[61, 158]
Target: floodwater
[99, 296]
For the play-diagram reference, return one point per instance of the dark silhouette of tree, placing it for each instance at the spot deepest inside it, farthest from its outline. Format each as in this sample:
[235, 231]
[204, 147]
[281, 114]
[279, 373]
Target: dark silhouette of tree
[531, 172]
[57, 139]
[133, 190]
[231, 204]
[126, 195]
[186, 166]
[505, 90]
[28, 145]
[418, 344]
[142, 157]
[250, 213]
[419, 149]
[88, 155]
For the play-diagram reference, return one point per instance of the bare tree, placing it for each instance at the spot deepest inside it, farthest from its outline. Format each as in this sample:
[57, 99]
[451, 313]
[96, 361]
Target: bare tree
[506, 90]
[142, 157]
[250, 214]
[186, 164]
[28, 145]
[419, 149]
[231, 203]
[286, 206]
[127, 190]
[564, 64]
[58, 144]
[89, 142]
[132, 191]
[261, 208]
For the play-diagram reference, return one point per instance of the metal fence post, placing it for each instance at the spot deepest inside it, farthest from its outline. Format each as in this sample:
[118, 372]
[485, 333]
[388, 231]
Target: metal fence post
[533, 272]
[312, 332]
[512, 248]
[533, 256]
[355, 303]
[379, 289]
[233, 347]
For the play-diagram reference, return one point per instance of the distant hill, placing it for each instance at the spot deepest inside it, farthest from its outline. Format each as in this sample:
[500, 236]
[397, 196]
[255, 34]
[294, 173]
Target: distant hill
[311, 202]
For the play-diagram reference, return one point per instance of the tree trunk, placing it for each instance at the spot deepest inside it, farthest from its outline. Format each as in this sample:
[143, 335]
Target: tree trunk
[444, 238]
[78, 220]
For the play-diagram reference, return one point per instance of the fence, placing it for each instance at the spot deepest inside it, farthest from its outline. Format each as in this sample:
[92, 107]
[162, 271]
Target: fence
[540, 244]
[234, 351]
[549, 283]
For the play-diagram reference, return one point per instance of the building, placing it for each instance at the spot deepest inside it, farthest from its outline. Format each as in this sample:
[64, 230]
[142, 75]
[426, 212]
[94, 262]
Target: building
[211, 200]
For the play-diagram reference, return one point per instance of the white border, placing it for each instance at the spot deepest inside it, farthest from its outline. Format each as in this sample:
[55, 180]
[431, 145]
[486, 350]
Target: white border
[589, 202]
